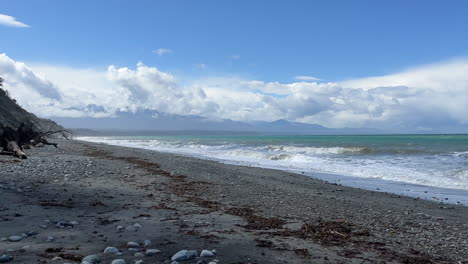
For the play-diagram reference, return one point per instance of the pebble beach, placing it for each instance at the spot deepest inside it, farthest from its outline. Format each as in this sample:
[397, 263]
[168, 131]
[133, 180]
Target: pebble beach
[94, 203]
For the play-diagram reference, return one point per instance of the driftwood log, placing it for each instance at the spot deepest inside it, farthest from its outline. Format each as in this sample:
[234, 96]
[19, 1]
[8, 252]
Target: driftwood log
[14, 141]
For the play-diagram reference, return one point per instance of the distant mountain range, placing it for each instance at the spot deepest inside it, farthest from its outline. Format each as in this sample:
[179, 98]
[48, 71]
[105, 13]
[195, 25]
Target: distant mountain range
[146, 122]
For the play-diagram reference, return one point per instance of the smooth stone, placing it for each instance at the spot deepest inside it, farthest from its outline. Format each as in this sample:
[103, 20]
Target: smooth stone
[50, 239]
[184, 255]
[74, 223]
[139, 262]
[92, 259]
[133, 244]
[31, 233]
[118, 261]
[5, 258]
[147, 242]
[206, 253]
[139, 255]
[119, 228]
[15, 238]
[111, 250]
[152, 252]
[137, 225]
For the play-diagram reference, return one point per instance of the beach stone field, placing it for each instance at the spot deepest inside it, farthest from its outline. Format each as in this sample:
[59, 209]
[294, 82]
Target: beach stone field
[93, 203]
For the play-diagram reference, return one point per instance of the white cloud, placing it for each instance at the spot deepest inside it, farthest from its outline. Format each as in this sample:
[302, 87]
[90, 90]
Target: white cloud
[162, 51]
[432, 96]
[10, 21]
[306, 78]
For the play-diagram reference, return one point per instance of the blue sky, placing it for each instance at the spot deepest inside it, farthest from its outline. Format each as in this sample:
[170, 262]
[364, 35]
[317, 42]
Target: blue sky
[241, 59]
[275, 40]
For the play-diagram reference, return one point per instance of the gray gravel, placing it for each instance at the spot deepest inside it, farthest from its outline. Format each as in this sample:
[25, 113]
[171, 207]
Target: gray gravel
[89, 197]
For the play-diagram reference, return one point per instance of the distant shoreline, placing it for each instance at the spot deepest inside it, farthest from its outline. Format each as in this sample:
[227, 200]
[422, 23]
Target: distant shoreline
[247, 214]
[415, 190]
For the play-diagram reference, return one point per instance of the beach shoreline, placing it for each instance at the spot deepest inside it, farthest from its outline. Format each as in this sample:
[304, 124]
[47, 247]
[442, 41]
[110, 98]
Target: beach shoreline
[248, 214]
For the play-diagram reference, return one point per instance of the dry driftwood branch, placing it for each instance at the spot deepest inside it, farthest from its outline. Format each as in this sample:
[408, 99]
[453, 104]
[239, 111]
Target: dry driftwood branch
[14, 141]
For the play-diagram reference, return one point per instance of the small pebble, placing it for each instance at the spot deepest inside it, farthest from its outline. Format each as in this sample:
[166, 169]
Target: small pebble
[207, 253]
[91, 259]
[15, 238]
[118, 261]
[139, 255]
[139, 262]
[5, 258]
[184, 255]
[147, 243]
[133, 244]
[111, 250]
[152, 252]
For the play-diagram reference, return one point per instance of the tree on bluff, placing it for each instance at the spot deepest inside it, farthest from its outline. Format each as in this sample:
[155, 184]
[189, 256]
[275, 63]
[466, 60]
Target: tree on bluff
[20, 129]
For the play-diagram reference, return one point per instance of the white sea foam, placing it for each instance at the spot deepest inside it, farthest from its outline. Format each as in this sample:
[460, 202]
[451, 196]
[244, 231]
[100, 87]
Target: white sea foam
[426, 170]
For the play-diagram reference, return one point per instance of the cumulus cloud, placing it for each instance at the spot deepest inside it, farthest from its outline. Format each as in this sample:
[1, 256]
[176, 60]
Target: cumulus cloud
[162, 51]
[433, 96]
[306, 78]
[10, 21]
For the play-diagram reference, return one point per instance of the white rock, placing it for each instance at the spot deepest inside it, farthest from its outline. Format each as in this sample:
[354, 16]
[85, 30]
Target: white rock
[147, 242]
[137, 225]
[184, 255]
[74, 223]
[111, 250]
[139, 262]
[139, 255]
[206, 253]
[119, 228]
[118, 261]
[15, 238]
[132, 244]
[91, 259]
[152, 252]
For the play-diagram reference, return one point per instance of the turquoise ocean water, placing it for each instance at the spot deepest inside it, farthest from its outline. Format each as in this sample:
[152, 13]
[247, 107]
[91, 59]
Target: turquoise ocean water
[416, 165]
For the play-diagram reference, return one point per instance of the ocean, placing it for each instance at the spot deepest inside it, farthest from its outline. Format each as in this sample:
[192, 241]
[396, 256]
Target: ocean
[431, 167]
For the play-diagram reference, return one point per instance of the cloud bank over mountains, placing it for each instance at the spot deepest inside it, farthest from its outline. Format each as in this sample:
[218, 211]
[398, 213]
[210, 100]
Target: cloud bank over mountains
[427, 97]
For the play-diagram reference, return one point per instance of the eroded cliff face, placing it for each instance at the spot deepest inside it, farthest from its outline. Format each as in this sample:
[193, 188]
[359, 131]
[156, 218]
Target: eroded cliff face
[13, 115]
